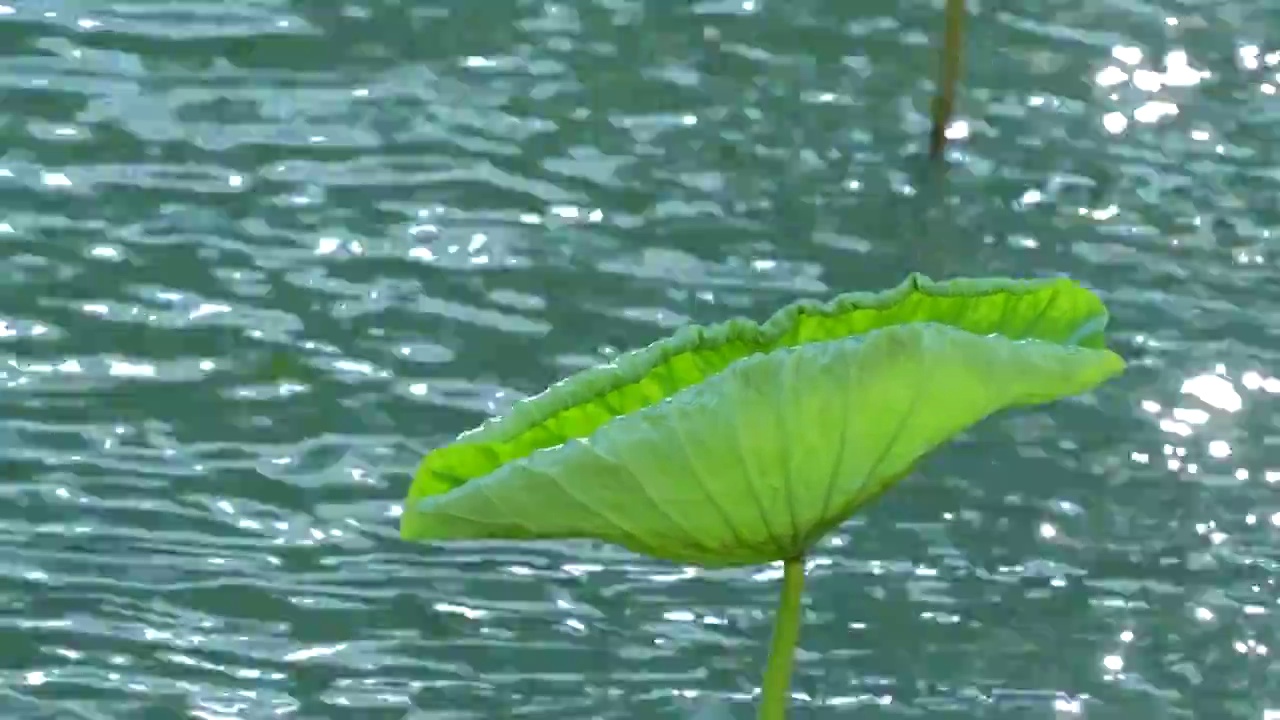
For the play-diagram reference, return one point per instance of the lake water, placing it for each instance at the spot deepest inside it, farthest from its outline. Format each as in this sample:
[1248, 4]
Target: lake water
[260, 256]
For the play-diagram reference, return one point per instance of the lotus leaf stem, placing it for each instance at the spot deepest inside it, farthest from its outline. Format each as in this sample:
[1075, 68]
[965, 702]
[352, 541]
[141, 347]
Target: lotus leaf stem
[776, 691]
[949, 76]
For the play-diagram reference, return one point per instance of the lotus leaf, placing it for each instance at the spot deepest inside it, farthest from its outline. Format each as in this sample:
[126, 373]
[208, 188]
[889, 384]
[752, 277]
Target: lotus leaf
[741, 443]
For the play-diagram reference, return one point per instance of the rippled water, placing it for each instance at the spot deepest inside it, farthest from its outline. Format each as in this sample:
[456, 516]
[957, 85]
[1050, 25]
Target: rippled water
[260, 256]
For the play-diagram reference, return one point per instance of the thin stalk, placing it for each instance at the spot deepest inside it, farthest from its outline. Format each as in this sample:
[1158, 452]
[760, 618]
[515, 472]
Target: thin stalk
[944, 102]
[776, 691]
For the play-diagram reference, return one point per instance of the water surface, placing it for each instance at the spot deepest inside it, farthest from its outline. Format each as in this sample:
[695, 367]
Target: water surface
[260, 256]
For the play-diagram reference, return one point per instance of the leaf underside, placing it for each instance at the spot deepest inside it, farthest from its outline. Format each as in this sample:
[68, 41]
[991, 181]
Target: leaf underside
[757, 461]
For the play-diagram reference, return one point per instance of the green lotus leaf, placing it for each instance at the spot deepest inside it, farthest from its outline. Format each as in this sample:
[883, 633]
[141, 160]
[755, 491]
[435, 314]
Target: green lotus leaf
[742, 443]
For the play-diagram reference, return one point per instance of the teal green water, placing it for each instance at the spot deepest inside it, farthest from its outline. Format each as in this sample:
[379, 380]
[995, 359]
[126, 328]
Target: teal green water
[260, 256]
